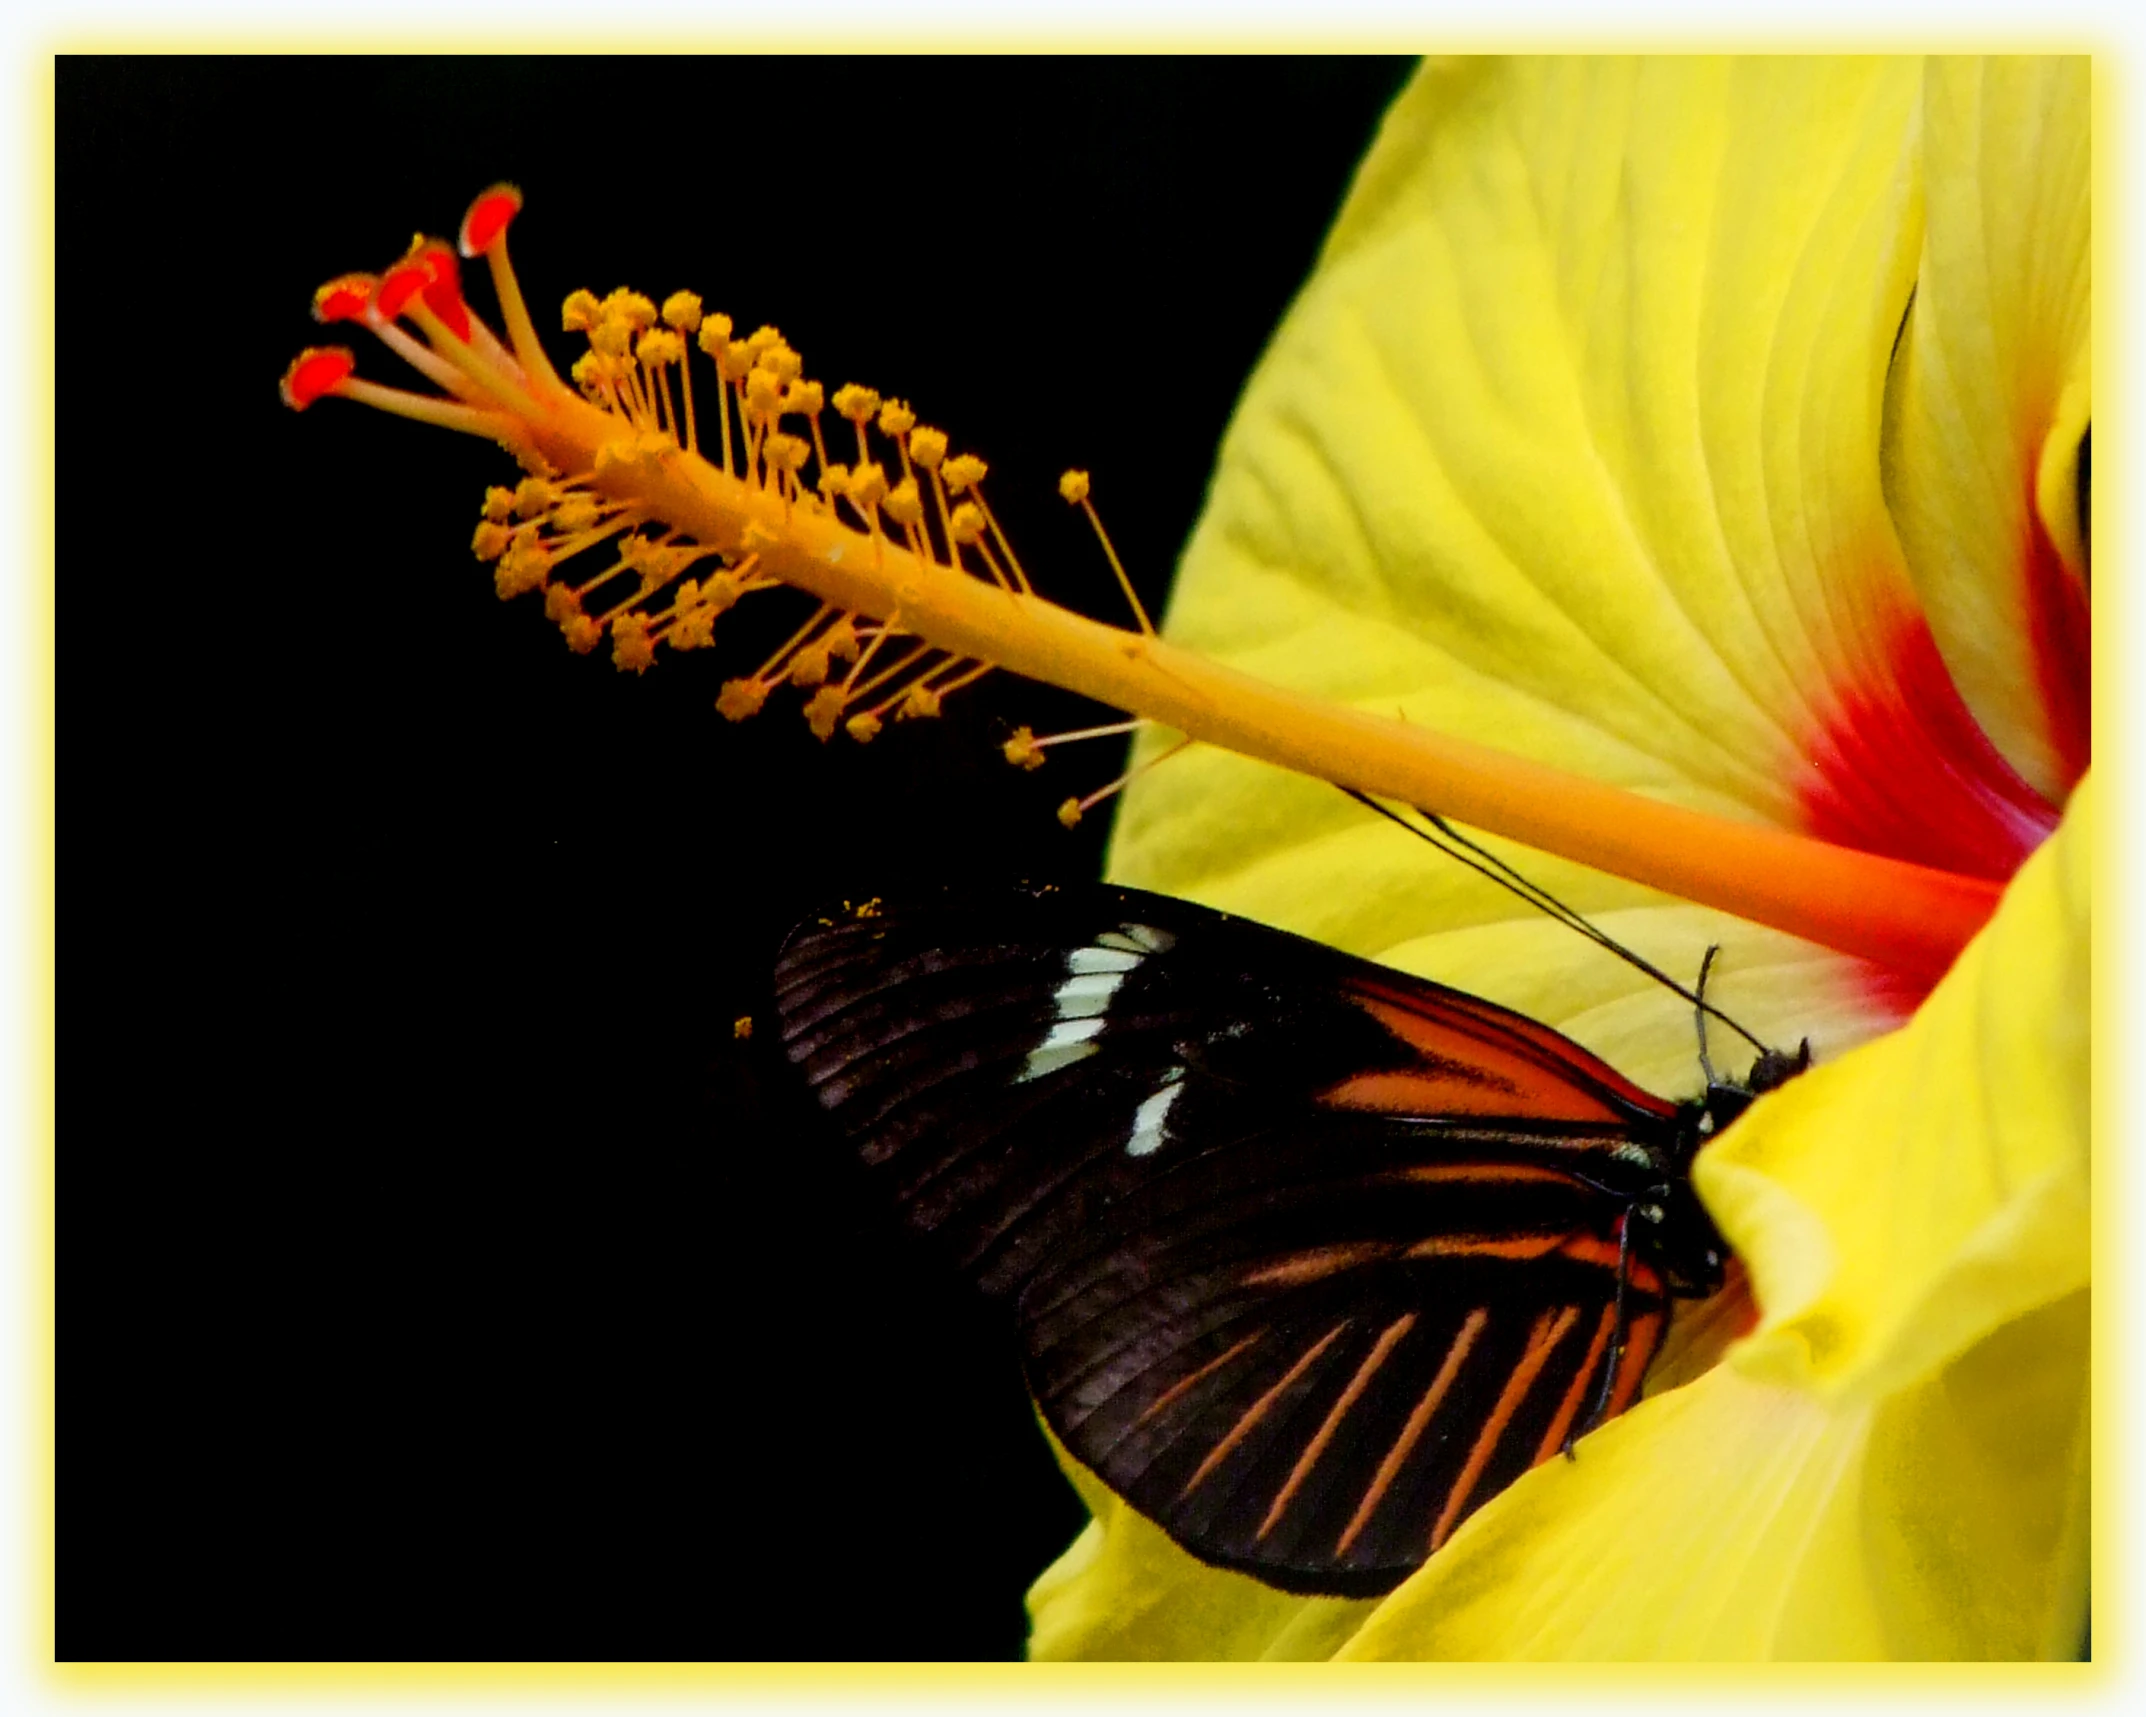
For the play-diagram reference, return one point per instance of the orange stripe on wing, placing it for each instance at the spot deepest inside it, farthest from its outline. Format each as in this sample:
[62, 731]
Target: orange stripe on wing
[1466, 1070]
[1404, 1445]
[1178, 1388]
[1316, 1264]
[1542, 1340]
[1258, 1411]
[1392, 1333]
[1486, 1246]
[1554, 1439]
[1487, 1174]
[1527, 1048]
[1600, 1250]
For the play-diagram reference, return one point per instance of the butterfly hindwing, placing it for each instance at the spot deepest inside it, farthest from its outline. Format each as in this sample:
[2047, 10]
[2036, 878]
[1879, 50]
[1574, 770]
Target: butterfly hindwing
[1309, 1258]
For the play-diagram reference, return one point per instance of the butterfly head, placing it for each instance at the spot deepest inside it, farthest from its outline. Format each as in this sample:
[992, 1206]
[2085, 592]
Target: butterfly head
[1726, 1099]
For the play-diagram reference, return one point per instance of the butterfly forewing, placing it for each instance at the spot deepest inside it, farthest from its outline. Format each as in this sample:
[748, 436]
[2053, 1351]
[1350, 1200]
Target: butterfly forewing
[1309, 1258]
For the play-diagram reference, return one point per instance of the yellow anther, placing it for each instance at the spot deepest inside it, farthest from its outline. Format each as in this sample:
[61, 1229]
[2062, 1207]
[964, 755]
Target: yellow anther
[580, 312]
[903, 504]
[840, 640]
[659, 566]
[532, 495]
[867, 483]
[805, 398]
[714, 335]
[863, 727]
[856, 403]
[763, 395]
[613, 336]
[498, 503]
[964, 471]
[636, 309]
[523, 567]
[739, 699]
[1073, 486]
[896, 419]
[927, 447]
[582, 633]
[834, 480]
[808, 667]
[1022, 751]
[681, 310]
[734, 362]
[788, 452]
[631, 646]
[919, 703]
[492, 538]
[1069, 812]
[575, 513]
[660, 346]
[967, 523]
[741, 1028]
[782, 363]
[762, 337]
[722, 592]
[822, 710]
[589, 372]
[694, 629]
[561, 603]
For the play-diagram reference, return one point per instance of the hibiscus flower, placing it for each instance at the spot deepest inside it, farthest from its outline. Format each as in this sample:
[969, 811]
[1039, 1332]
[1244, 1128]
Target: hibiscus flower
[1678, 467]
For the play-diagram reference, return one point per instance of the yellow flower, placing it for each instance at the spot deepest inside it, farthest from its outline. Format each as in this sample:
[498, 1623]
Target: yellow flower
[1606, 433]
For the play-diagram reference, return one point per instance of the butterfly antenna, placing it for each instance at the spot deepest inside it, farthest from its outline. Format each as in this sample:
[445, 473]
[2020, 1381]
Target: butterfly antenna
[1485, 863]
[1706, 965]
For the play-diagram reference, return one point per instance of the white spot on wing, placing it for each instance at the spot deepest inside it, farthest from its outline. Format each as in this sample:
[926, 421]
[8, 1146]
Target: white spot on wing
[1093, 975]
[1050, 1060]
[1086, 995]
[1084, 961]
[1136, 939]
[1065, 1043]
[1148, 1119]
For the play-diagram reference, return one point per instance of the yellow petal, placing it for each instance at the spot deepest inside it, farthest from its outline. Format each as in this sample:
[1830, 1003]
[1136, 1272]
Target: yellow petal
[1125, 1592]
[1990, 400]
[1571, 446]
[1742, 1520]
[1897, 1206]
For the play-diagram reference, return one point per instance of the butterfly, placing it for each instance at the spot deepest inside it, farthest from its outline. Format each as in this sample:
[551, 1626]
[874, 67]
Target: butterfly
[1309, 1259]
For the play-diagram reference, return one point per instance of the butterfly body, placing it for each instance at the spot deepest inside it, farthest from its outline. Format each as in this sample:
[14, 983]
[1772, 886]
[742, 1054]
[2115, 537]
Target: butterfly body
[1308, 1258]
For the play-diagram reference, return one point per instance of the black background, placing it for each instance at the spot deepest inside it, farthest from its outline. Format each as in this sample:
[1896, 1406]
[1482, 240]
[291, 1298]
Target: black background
[437, 1277]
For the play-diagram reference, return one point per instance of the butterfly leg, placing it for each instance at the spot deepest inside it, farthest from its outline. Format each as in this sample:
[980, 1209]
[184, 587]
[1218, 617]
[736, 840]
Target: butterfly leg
[1620, 1330]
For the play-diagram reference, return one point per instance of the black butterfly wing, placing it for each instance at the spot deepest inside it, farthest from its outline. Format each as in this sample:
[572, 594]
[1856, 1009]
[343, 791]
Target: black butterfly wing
[1310, 1259]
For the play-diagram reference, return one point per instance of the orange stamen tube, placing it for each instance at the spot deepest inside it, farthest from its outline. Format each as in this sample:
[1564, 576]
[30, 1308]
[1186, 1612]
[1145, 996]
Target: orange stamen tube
[1909, 917]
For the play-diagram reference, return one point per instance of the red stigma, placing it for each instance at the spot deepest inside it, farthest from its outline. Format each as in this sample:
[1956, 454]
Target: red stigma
[345, 298]
[399, 285]
[488, 217]
[315, 371]
[443, 289]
